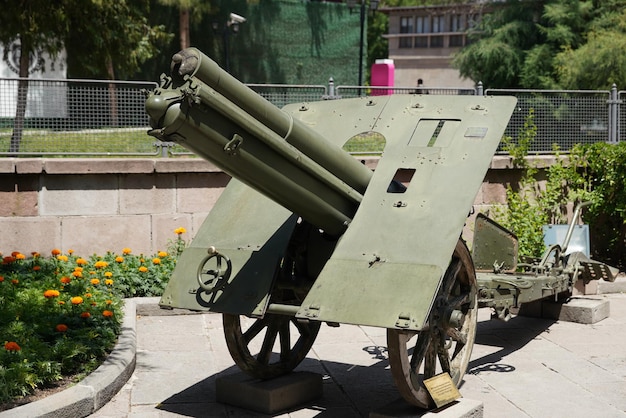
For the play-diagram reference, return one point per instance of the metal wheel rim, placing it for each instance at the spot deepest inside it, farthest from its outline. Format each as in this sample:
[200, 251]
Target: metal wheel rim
[270, 329]
[430, 354]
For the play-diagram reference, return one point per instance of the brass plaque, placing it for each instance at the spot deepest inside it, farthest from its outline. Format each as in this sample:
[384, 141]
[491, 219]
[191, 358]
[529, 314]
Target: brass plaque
[442, 389]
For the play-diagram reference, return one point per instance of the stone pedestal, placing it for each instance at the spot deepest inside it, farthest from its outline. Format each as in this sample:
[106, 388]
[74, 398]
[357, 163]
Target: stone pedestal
[463, 408]
[583, 310]
[268, 396]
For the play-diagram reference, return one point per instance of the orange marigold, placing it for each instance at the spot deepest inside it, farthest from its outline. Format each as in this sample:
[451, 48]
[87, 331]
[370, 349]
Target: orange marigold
[61, 328]
[36, 268]
[56, 251]
[108, 274]
[85, 315]
[162, 254]
[108, 301]
[108, 282]
[107, 314]
[88, 295]
[65, 280]
[70, 251]
[8, 259]
[1, 279]
[126, 251]
[76, 300]
[77, 273]
[156, 261]
[20, 256]
[12, 346]
[50, 293]
[179, 231]
[95, 281]
[78, 268]
[143, 269]
[35, 254]
[15, 281]
[81, 261]
[119, 259]
[100, 264]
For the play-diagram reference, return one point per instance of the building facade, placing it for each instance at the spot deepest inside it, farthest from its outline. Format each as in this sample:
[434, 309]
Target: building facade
[424, 39]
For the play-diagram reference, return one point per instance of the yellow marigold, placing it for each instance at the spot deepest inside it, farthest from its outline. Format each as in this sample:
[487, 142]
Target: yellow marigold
[70, 251]
[56, 251]
[95, 281]
[61, 328]
[108, 301]
[81, 261]
[119, 259]
[126, 251]
[162, 254]
[76, 300]
[62, 257]
[108, 274]
[12, 346]
[156, 261]
[88, 295]
[35, 254]
[77, 273]
[107, 314]
[48, 294]
[108, 282]
[179, 231]
[20, 256]
[100, 264]
[61, 302]
[78, 268]
[85, 315]
[143, 269]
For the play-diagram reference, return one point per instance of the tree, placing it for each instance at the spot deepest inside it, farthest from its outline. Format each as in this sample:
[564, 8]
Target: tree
[39, 26]
[189, 11]
[552, 44]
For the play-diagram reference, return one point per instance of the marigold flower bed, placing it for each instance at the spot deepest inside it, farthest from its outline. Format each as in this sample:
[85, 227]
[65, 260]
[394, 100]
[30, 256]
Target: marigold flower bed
[60, 315]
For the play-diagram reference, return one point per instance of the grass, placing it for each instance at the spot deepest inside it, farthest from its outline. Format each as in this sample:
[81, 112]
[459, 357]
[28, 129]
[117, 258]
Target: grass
[61, 314]
[129, 141]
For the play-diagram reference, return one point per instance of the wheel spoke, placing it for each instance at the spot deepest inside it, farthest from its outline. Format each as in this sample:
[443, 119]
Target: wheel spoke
[430, 361]
[451, 273]
[419, 351]
[285, 341]
[443, 355]
[268, 343]
[254, 330]
[457, 335]
[459, 301]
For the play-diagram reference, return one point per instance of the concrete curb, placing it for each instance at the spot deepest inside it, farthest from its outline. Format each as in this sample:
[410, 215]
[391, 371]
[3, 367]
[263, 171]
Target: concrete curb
[94, 391]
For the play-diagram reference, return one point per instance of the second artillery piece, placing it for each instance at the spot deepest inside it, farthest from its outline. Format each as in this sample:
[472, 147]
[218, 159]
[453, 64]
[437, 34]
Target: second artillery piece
[304, 233]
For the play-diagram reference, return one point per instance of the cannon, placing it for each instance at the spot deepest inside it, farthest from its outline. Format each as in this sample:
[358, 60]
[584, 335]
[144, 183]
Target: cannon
[306, 234]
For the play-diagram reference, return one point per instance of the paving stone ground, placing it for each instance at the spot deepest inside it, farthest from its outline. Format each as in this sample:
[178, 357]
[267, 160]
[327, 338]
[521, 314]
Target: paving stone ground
[526, 367]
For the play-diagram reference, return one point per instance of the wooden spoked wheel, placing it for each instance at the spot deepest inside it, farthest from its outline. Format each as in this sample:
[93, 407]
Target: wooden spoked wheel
[279, 342]
[445, 344]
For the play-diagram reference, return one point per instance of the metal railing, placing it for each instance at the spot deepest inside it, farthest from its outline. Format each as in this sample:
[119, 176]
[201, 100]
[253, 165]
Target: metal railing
[108, 118]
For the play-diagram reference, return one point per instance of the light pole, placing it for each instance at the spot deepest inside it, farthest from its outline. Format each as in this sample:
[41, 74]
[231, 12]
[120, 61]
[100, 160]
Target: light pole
[232, 24]
[373, 6]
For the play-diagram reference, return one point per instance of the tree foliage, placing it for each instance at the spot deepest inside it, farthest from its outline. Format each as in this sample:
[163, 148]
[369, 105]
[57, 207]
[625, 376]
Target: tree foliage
[549, 44]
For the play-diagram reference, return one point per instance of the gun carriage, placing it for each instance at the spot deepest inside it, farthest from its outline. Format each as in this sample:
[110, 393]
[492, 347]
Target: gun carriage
[305, 233]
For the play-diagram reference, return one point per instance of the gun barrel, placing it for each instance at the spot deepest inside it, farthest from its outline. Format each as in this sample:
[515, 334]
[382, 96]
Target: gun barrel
[194, 63]
[203, 120]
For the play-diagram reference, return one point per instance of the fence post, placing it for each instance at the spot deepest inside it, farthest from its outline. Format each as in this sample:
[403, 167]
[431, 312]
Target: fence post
[480, 88]
[614, 103]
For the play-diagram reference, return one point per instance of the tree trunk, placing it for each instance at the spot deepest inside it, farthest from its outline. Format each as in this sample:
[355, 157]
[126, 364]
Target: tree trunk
[185, 40]
[114, 112]
[22, 98]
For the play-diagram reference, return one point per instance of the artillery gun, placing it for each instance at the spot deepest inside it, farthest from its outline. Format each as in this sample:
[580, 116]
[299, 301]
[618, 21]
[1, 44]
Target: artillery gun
[305, 233]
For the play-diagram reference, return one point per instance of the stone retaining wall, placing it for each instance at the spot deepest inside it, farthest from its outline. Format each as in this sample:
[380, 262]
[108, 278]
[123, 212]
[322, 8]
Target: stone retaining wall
[96, 205]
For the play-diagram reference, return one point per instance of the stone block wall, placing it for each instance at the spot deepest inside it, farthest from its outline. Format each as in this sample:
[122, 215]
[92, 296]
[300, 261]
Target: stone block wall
[98, 205]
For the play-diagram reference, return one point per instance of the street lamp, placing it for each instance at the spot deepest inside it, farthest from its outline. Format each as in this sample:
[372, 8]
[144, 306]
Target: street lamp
[232, 25]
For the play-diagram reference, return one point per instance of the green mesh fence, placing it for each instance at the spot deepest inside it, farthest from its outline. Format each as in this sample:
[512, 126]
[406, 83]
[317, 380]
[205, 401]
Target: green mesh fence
[289, 42]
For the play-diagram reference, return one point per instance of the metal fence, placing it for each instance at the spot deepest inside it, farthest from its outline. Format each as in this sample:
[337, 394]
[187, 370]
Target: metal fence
[96, 118]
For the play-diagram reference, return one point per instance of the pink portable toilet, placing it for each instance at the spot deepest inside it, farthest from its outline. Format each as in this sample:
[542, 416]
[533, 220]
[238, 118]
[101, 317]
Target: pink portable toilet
[383, 72]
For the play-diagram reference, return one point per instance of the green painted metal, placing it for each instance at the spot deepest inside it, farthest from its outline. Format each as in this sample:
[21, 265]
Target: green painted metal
[389, 235]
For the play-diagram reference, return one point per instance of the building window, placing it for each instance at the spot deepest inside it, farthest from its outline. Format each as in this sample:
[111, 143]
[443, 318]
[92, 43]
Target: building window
[406, 26]
[439, 24]
[423, 24]
[457, 40]
[456, 23]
